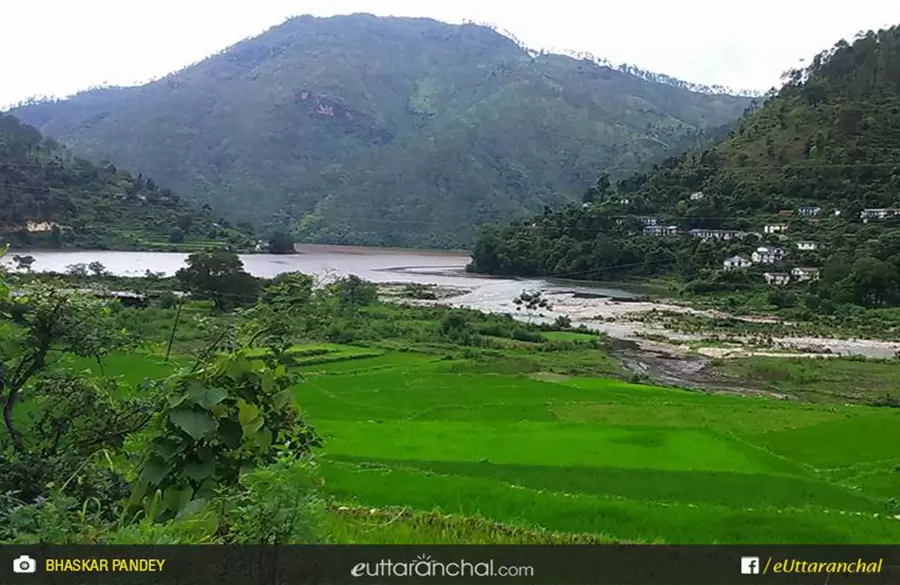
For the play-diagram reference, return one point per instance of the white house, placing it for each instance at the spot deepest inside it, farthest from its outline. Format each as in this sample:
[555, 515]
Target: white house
[867, 214]
[649, 220]
[809, 210]
[697, 196]
[736, 263]
[708, 234]
[802, 274]
[765, 255]
[807, 246]
[777, 278]
[661, 230]
[775, 228]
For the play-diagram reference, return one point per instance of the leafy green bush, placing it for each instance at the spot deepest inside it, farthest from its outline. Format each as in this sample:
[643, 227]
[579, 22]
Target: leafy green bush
[277, 504]
[231, 415]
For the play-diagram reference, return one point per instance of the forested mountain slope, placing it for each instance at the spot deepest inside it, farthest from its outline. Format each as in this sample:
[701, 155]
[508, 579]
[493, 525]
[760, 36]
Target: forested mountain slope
[819, 164]
[385, 131]
[50, 198]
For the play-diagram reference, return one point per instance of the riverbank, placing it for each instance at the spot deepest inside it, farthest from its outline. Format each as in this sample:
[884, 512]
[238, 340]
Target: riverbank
[655, 324]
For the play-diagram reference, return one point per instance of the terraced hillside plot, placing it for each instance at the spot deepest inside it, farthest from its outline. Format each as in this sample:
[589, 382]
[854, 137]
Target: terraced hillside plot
[587, 455]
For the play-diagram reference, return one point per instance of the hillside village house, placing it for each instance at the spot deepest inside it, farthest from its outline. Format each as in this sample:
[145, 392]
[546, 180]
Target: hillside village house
[661, 230]
[867, 214]
[764, 255]
[649, 220]
[708, 234]
[807, 246]
[809, 210]
[775, 228]
[697, 196]
[777, 278]
[736, 263]
[802, 274]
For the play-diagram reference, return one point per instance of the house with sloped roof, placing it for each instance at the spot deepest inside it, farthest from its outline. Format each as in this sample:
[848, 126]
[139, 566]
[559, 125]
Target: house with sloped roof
[802, 274]
[777, 278]
[766, 255]
[736, 263]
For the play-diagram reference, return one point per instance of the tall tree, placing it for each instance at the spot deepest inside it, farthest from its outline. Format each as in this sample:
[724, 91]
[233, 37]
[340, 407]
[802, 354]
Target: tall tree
[218, 276]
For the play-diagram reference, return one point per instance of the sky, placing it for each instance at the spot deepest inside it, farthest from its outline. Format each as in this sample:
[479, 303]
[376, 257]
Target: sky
[57, 47]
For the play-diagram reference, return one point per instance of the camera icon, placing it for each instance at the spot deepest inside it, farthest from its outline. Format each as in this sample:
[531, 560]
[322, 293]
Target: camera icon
[24, 564]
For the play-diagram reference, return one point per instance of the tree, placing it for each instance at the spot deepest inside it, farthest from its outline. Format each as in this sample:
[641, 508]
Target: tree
[97, 269]
[79, 270]
[23, 262]
[285, 311]
[45, 324]
[352, 292]
[531, 302]
[281, 243]
[220, 277]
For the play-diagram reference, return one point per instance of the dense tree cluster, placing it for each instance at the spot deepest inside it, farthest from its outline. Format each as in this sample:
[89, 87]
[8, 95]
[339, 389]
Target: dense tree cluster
[50, 198]
[830, 139]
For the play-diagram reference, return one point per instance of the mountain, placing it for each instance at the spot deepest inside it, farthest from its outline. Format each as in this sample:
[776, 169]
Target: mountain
[821, 159]
[48, 197]
[384, 131]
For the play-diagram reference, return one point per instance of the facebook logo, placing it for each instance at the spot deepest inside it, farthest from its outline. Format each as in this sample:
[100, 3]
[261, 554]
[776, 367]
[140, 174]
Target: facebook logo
[749, 565]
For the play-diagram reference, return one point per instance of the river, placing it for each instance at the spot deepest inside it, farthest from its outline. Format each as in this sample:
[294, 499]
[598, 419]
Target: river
[380, 265]
[599, 308]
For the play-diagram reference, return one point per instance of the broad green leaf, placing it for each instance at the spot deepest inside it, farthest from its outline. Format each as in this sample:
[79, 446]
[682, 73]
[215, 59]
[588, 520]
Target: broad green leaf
[205, 453]
[176, 499]
[236, 369]
[155, 470]
[230, 433]
[253, 426]
[196, 423]
[263, 439]
[247, 412]
[175, 400]
[283, 398]
[207, 397]
[199, 470]
[195, 507]
[268, 383]
[166, 447]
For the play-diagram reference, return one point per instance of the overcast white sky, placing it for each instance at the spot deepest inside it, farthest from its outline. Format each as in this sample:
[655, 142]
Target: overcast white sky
[57, 47]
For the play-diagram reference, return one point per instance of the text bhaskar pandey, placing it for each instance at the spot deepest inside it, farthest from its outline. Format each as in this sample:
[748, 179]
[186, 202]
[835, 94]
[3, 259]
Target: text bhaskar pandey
[104, 565]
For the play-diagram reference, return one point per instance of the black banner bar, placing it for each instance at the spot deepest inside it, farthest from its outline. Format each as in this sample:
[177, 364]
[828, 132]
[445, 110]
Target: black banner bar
[475, 564]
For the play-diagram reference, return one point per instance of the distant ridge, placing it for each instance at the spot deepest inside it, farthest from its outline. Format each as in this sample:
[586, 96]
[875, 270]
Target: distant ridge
[344, 128]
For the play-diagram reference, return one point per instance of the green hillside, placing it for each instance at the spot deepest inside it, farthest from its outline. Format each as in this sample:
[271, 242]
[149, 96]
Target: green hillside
[49, 198]
[385, 131]
[820, 161]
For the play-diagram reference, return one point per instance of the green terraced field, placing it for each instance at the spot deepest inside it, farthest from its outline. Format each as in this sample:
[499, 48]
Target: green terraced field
[557, 455]
[590, 455]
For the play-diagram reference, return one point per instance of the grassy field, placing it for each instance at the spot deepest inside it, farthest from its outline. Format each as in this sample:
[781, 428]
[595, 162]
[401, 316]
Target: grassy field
[426, 442]
[821, 380]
